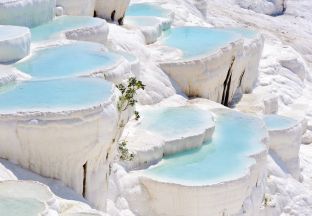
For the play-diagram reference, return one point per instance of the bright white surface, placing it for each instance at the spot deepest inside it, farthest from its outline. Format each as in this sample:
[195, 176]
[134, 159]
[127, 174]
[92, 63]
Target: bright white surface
[14, 43]
[28, 13]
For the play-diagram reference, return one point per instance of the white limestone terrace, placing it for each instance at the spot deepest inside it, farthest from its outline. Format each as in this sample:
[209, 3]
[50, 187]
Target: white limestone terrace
[220, 177]
[253, 47]
[28, 189]
[14, 43]
[29, 13]
[285, 135]
[166, 130]
[113, 10]
[143, 10]
[32, 198]
[208, 62]
[150, 18]
[150, 27]
[70, 123]
[77, 59]
[71, 27]
[26, 198]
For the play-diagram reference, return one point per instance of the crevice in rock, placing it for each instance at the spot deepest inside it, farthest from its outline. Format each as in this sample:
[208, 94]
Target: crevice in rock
[84, 183]
[121, 19]
[94, 14]
[113, 15]
[227, 85]
[241, 78]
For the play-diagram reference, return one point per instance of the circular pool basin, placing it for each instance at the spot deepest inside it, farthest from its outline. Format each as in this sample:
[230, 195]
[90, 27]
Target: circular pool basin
[278, 122]
[63, 24]
[147, 9]
[21, 207]
[176, 122]
[69, 60]
[198, 41]
[55, 95]
[26, 189]
[224, 158]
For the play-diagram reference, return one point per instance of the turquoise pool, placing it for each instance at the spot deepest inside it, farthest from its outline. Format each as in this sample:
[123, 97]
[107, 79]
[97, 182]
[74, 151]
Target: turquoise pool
[147, 9]
[68, 60]
[277, 122]
[145, 22]
[54, 95]
[20, 207]
[64, 23]
[175, 121]
[223, 158]
[197, 41]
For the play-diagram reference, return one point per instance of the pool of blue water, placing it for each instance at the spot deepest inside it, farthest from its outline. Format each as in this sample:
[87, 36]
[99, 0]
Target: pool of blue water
[138, 21]
[175, 121]
[64, 23]
[68, 60]
[277, 122]
[20, 207]
[54, 95]
[146, 9]
[197, 41]
[223, 158]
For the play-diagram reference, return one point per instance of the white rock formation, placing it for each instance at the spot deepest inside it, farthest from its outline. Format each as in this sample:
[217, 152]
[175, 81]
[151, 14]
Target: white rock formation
[229, 197]
[14, 43]
[258, 103]
[28, 13]
[9, 74]
[149, 146]
[77, 7]
[75, 146]
[270, 7]
[285, 144]
[97, 33]
[113, 10]
[6, 174]
[151, 27]
[147, 196]
[209, 76]
[29, 189]
[252, 53]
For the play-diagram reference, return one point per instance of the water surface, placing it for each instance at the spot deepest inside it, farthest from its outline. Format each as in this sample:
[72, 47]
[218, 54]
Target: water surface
[276, 122]
[54, 95]
[223, 158]
[197, 41]
[74, 59]
[61, 24]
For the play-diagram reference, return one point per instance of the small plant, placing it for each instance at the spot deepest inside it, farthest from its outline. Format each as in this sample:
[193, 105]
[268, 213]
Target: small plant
[128, 93]
[124, 152]
[127, 99]
[137, 115]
